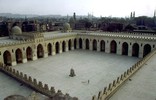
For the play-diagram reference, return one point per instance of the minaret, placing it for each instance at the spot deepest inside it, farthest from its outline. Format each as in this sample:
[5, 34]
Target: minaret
[134, 14]
[74, 16]
[154, 14]
[154, 17]
[131, 15]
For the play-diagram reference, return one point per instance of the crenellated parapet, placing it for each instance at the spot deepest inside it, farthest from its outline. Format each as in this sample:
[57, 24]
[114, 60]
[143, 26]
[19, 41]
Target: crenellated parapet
[26, 36]
[109, 90]
[121, 35]
[60, 36]
[36, 85]
[17, 43]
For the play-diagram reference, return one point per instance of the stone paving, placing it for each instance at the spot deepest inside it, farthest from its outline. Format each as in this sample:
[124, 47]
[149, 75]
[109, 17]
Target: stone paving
[97, 67]
[142, 85]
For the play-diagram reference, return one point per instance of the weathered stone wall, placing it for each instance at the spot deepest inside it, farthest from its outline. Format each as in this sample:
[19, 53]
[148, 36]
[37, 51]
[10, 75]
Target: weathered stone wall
[107, 37]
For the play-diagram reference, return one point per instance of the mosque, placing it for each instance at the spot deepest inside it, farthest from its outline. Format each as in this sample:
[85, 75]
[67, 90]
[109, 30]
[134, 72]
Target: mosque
[22, 47]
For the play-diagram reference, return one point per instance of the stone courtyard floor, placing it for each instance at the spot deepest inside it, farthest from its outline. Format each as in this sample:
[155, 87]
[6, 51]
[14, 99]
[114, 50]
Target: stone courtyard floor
[98, 67]
[142, 85]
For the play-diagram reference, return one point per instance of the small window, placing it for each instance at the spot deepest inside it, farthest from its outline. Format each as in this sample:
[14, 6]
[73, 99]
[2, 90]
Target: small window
[0, 52]
[12, 51]
[23, 48]
[130, 43]
[119, 42]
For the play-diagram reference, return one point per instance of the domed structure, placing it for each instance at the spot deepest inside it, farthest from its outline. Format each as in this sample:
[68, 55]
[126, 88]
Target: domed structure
[66, 27]
[16, 30]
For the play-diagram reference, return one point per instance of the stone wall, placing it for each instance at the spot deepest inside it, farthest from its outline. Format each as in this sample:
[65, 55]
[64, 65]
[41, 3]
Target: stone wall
[117, 83]
[36, 85]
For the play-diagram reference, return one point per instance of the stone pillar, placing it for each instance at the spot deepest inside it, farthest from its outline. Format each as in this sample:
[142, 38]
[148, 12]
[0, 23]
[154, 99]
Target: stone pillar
[34, 54]
[77, 43]
[66, 48]
[13, 57]
[45, 51]
[107, 46]
[83, 44]
[24, 60]
[98, 45]
[72, 44]
[53, 50]
[119, 49]
[91, 45]
[60, 51]
[141, 51]
[45, 54]
[129, 50]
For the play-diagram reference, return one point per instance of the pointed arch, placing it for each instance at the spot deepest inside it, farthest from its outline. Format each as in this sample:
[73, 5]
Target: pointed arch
[102, 45]
[113, 46]
[19, 57]
[40, 51]
[29, 53]
[63, 46]
[69, 44]
[147, 49]
[94, 44]
[125, 48]
[135, 50]
[80, 43]
[87, 44]
[57, 47]
[75, 42]
[49, 48]
[7, 58]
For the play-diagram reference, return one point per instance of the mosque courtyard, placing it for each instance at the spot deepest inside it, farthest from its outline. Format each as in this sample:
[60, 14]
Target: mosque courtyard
[98, 67]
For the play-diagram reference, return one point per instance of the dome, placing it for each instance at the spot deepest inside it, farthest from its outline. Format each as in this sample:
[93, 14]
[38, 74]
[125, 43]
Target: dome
[66, 26]
[16, 30]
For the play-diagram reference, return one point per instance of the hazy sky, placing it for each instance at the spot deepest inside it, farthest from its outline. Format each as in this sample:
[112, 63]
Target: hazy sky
[114, 8]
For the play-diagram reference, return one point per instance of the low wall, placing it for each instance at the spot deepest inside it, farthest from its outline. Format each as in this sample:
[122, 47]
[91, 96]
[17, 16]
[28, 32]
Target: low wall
[36, 85]
[116, 84]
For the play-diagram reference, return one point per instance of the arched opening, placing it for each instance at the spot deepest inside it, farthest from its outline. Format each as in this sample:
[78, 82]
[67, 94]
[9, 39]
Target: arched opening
[29, 54]
[94, 44]
[7, 58]
[63, 46]
[40, 51]
[57, 45]
[124, 48]
[147, 49]
[87, 44]
[102, 45]
[69, 44]
[80, 43]
[49, 48]
[135, 50]
[113, 47]
[75, 42]
[19, 57]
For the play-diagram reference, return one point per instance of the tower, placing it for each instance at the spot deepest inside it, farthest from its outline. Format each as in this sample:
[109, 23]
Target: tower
[154, 17]
[74, 16]
[134, 14]
[154, 14]
[131, 15]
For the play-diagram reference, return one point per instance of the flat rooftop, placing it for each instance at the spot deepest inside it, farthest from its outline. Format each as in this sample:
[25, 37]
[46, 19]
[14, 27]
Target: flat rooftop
[98, 67]
[54, 34]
